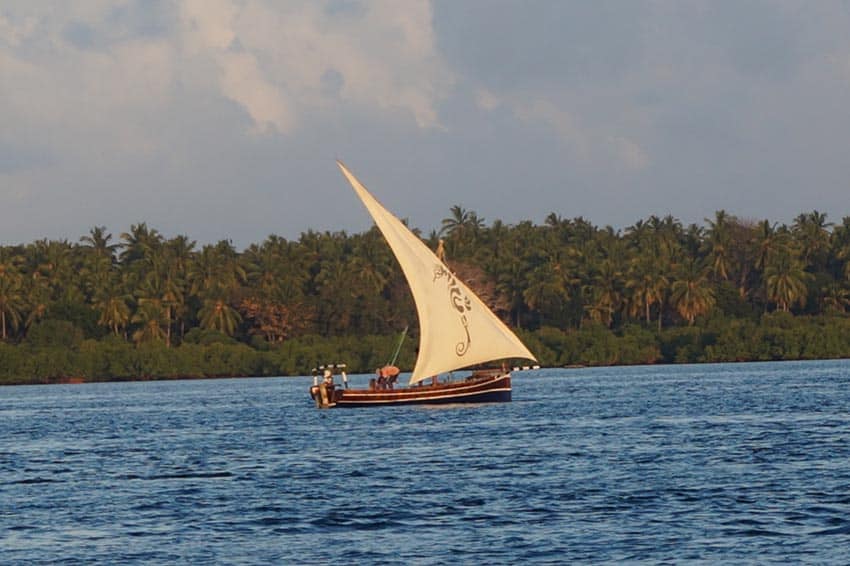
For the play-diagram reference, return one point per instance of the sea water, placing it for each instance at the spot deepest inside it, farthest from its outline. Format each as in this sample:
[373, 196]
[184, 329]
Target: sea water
[727, 463]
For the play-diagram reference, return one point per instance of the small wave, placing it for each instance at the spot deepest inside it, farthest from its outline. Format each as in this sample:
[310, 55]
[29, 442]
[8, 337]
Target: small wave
[155, 506]
[842, 530]
[291, 530]
[744, 522]
[270, 521]
[27, 481]
[193, 475]
[357, 521]
[179, 476]
[269, 509]
[756, 533]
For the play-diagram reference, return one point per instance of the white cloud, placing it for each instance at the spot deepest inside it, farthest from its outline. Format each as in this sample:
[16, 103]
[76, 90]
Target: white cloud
[12, 35]
[131, 106]
[271, 59]
[208, 23]
[208, 31]
[76, 101]
[137, 104]
[268, 58]
[242, 80]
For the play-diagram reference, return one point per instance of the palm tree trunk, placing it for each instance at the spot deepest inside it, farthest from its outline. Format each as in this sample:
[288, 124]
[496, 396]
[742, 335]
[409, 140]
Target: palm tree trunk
[660, 313]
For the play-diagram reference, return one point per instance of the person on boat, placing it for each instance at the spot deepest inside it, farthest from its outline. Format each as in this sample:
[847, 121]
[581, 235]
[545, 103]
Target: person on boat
[387, 376]
[391, 379]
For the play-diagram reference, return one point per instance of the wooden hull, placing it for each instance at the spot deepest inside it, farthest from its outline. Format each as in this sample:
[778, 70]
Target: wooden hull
[490, 389]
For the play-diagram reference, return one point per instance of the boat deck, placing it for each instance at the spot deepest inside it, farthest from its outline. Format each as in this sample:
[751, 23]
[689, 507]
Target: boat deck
[475, 389]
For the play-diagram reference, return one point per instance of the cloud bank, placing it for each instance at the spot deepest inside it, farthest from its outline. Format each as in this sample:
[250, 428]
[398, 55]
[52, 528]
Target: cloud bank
[222, 118]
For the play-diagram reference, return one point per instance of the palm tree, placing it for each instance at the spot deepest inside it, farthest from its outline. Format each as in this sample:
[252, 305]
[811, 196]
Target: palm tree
[785, 280]
[335, 296]
[718, 243]
[216, 268]
[162, 289]
[38, 299]
[461, 220]
[546, 292]
[371, 261]
[138, 243]
[55, 261]
[835, 298]
[653, 246]
[216, 314]
[601, 306]
[149, 317]
[666, 236]
[98, 243]
[511, 282]
[769, 241]
[179, 256]
[98, 259]
[811, 231]
[647, 283]
[366, 275]
[11, 300]
[605, 292]
[639, 235]
[462, 229]
[841, 246]
[114, 312]
[691, 294]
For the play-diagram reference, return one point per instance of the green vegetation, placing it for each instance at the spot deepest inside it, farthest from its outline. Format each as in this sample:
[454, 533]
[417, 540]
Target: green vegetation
[147, 306]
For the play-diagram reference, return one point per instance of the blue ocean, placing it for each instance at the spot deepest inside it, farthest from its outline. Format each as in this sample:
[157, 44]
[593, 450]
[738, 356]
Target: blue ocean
[725, 463]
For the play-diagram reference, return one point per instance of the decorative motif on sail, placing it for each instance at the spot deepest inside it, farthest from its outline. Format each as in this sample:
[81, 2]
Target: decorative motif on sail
[460, 302]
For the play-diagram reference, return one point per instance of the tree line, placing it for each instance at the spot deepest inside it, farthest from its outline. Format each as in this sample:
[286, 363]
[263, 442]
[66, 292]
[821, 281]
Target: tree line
[656, 291]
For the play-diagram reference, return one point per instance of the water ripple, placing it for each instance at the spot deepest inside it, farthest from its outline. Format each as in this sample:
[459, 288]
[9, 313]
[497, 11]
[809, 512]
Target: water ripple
[740, 463]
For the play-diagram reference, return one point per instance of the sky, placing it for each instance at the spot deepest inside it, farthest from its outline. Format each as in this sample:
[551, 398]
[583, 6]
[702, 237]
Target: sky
[222, 119]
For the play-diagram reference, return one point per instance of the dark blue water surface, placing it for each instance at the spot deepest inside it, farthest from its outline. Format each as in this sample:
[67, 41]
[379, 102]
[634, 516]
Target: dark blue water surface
[719, 463]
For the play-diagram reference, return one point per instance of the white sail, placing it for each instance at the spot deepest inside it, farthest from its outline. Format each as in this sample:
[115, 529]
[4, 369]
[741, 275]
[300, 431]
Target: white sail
[456, 328]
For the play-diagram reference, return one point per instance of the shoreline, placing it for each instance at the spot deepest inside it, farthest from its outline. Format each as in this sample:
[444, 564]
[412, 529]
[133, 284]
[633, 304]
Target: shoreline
[81, 380]
[78, 380]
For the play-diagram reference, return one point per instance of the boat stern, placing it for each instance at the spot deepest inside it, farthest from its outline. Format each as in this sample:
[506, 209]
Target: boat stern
[324, 395]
